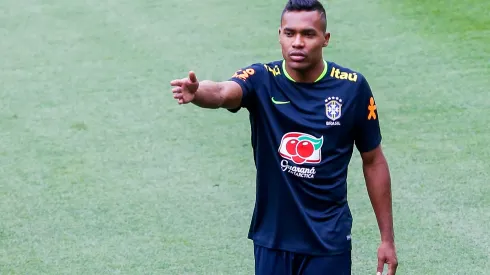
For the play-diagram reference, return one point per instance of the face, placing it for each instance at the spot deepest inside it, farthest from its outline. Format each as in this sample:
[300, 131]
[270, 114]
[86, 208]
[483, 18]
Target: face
[302, 39]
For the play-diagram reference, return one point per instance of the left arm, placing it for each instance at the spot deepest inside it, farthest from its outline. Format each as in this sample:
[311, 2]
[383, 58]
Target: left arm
[378, 184]
[376, 174]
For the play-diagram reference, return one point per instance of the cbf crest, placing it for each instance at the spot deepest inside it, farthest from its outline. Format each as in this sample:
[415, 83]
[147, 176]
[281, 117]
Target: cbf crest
[333, 110]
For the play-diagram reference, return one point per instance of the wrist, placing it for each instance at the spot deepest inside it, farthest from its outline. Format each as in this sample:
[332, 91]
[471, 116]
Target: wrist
[387, 237]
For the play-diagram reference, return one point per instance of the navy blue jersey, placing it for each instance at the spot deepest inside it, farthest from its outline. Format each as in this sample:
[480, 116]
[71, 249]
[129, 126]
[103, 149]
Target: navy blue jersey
[303, 137]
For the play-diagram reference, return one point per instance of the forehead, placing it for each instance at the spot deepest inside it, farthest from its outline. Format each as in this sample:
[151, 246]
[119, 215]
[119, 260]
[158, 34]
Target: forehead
[299, 20]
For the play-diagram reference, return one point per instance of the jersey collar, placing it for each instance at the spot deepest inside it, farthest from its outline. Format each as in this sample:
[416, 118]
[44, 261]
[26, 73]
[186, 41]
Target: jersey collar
[325, 69]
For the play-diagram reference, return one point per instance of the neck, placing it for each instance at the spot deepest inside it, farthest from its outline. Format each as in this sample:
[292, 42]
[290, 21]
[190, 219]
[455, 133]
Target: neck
[310, 75]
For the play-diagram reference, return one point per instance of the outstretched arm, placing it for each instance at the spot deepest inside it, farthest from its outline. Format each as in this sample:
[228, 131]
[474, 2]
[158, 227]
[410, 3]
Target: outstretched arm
[207, 93]
[226, 94]
[378, 183]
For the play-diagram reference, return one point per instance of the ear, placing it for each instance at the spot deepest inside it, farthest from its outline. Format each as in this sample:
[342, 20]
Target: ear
[327, 39]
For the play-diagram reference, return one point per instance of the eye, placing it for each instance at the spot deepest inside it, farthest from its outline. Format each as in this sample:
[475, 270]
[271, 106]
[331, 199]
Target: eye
[310, 34]
[288, 33]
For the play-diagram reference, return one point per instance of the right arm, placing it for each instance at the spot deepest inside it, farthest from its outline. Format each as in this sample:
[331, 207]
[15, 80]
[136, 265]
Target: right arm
[213, 95]
[237, 92]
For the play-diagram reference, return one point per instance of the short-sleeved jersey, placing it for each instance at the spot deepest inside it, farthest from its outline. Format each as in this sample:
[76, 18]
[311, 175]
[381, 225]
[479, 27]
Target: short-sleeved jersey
[303, 136]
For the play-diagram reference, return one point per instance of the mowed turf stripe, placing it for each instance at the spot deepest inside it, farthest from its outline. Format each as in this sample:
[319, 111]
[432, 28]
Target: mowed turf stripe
[112, 164]
[433, 127]
[124, 161]
[442, 23]
[59, 202]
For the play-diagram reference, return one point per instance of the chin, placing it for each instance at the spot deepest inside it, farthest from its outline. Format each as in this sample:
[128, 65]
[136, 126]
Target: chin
[299, 66]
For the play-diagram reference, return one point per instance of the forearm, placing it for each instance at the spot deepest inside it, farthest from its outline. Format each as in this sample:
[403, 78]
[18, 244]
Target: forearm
[209, 95]
[378, 183]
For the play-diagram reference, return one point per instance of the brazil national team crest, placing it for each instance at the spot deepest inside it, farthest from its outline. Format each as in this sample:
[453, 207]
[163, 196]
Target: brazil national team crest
[299, 148]
[333, 110]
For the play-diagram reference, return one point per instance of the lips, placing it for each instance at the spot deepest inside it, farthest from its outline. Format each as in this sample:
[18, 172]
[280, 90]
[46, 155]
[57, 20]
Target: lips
[297, 56]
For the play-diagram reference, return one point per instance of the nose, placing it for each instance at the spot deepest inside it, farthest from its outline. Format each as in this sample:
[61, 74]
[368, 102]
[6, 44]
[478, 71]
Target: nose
[298, 42]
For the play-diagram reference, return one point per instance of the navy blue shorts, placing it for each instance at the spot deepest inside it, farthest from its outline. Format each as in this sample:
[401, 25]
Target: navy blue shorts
[276, 262]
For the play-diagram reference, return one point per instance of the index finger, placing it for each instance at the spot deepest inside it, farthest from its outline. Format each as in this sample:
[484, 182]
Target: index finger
[177, 82]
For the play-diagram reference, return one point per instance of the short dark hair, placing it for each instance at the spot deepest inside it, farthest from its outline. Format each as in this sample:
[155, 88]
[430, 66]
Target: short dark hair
[306, 5]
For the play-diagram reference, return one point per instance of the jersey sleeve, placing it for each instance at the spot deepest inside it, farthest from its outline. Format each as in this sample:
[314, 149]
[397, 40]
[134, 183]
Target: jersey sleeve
[249, 79]
[367, 133]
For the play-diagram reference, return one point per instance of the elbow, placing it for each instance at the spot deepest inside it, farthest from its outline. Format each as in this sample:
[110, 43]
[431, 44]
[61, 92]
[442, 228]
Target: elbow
[374, 157]
[220, 97]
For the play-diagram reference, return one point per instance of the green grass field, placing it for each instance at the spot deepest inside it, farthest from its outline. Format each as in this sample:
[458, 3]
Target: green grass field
[103, 173]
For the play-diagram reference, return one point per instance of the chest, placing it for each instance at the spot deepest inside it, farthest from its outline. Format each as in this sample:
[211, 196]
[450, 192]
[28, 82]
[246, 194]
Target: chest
[327, 109]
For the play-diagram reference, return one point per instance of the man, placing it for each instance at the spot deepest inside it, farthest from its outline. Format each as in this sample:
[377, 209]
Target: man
[306, 115]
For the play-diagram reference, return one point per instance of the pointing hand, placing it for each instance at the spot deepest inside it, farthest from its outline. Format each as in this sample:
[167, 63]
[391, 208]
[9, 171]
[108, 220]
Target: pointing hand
[185, 89]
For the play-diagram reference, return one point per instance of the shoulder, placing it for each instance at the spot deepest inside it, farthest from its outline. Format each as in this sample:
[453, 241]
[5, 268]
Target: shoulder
[346, 74]
[258, 70]
[351, 79]
[250, 71]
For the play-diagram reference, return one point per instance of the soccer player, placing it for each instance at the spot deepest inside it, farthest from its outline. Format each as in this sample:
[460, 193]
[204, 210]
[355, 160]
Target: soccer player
[306, 117]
